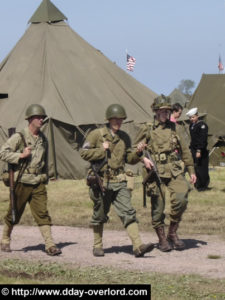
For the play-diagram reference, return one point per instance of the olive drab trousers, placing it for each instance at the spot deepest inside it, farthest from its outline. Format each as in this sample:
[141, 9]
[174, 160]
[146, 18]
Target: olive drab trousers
[36, 196]
[118, 195]
[178, 190]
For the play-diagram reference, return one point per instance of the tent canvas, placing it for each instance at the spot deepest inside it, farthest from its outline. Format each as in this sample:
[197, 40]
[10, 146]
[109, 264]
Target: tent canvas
[177, 96]
[53, 66]
[209, 97]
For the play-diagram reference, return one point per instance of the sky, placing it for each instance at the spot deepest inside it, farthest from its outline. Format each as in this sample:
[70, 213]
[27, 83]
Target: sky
[171, 40]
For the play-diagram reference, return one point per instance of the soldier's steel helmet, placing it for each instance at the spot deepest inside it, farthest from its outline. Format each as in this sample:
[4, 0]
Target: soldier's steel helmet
[115, 111]
[161, 102]
[35, 110]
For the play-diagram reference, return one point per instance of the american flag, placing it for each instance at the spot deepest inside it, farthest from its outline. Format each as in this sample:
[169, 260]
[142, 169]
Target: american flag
[220, 65]
[130, 63]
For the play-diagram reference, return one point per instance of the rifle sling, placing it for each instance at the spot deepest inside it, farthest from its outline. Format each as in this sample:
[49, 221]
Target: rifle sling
[24, 163]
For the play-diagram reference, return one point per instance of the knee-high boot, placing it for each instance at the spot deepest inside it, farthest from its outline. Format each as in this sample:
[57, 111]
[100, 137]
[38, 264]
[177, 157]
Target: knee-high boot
[173, 238]
[164, 245]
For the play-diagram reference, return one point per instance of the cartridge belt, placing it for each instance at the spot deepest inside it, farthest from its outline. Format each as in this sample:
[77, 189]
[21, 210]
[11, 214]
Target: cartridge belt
[32, 171]
[166, 157]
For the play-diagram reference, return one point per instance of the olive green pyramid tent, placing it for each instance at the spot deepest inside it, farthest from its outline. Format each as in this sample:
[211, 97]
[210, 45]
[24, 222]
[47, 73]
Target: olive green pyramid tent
[53, 66]
[177, 96]
[209, 97]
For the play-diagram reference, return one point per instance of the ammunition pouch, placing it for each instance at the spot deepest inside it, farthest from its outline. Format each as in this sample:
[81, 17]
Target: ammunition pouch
[162, 157]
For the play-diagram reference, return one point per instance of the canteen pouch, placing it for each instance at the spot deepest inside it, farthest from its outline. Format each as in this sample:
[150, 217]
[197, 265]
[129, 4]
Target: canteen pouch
[130, 180]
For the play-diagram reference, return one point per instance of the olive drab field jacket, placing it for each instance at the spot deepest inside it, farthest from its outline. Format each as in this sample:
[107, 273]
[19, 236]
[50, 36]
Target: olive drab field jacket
[167, 147]
[36, 164]
[120, 152]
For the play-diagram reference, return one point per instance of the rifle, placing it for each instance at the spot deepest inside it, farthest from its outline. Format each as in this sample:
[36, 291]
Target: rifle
[153, 175]
[11, 131]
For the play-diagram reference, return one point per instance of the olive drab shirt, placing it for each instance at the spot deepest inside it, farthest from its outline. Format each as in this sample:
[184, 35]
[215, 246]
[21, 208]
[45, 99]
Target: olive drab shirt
[167, 148]
[120, 149]
[36, 165]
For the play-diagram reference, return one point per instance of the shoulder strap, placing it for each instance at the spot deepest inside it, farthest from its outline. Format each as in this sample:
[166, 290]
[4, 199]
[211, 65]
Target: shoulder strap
[149, 128]
[102, 133]
[23, 139]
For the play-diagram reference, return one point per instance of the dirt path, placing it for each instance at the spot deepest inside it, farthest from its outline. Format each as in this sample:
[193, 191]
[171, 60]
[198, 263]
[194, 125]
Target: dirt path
[76, 245]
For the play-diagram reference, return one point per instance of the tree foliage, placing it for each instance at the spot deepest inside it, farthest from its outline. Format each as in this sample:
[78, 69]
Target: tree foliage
[186, 85]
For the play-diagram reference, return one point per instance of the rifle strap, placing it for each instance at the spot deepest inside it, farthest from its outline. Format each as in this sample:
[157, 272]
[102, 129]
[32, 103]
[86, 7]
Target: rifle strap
[24, 163]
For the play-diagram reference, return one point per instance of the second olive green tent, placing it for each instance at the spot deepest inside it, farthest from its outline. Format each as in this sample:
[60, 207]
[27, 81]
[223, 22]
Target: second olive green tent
[209, 98]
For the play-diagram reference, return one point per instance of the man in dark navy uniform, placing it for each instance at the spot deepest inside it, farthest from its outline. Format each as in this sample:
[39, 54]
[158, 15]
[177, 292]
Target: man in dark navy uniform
[198, 146]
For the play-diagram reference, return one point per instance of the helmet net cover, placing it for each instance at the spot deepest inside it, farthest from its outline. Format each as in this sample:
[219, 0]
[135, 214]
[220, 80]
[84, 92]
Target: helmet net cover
[161, 102]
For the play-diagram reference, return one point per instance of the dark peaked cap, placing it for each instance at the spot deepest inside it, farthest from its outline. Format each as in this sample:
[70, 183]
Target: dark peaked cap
[47, 12]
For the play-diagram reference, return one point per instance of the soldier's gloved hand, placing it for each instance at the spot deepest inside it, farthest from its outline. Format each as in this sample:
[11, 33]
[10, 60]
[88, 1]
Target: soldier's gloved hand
[148, 164]
[26, 152]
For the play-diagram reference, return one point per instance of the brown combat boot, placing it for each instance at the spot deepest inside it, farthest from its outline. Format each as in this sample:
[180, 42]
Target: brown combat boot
[164, 245]
[173, 238]
[98, 252]
[53, 251]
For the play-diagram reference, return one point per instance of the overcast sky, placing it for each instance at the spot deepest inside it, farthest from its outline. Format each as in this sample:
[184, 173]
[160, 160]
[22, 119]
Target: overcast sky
[171, 40]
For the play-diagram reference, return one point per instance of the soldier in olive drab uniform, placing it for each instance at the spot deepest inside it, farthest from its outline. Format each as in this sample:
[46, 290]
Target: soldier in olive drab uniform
[29, 150]
[198, 146]
[170, 154]
[110, 141]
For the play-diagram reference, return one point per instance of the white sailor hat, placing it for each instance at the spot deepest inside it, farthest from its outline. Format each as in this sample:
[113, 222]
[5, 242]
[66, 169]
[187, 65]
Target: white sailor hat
[192, 112]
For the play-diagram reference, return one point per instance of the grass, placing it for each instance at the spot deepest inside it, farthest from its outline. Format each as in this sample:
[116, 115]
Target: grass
[163, 286]
[69, 205]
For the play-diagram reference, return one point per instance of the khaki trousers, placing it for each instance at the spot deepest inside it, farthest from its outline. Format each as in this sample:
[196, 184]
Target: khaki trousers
[36, 196]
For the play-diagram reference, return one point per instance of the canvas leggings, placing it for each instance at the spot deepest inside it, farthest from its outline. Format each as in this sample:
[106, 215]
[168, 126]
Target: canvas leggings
[118, 195]
[36, 196]
[178, 191]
